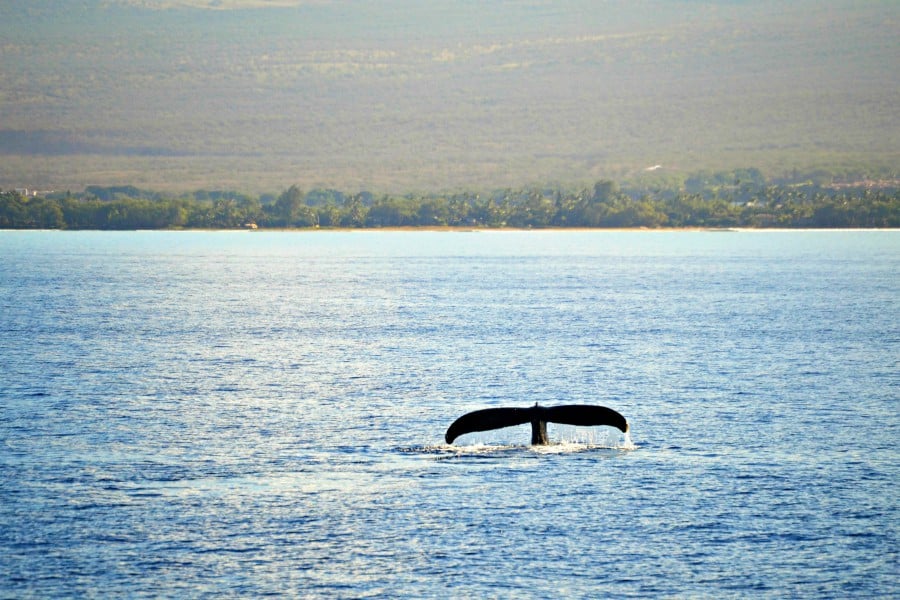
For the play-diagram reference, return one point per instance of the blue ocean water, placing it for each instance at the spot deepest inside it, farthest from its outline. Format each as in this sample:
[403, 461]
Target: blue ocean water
[242, 414]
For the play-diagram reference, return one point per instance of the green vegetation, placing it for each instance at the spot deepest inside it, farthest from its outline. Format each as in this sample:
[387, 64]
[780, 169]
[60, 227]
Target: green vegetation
[736, 199]
[401, 95]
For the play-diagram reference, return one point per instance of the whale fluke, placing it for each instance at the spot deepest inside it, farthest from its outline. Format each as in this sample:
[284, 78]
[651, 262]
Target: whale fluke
[584, 415]
[487, 419]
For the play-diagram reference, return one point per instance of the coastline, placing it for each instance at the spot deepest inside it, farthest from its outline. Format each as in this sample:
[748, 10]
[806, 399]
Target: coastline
[451, 229]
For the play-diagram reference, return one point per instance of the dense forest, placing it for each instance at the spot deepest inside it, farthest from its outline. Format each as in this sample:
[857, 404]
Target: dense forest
[736, 199]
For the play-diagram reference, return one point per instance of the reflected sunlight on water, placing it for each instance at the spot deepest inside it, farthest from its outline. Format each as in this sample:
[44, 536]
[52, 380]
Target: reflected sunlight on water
[192, 414]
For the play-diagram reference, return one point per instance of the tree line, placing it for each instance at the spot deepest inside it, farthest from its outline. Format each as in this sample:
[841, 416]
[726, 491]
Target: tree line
[753, 203]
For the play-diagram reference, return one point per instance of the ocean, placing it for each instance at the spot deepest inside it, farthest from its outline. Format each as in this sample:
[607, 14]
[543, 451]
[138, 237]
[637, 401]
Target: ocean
[242, 414]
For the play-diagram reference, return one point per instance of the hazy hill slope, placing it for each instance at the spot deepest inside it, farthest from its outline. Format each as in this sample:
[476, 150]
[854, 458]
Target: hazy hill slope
[401, 94]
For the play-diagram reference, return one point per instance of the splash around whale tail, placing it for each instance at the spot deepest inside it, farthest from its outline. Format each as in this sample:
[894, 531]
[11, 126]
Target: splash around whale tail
[585, 415]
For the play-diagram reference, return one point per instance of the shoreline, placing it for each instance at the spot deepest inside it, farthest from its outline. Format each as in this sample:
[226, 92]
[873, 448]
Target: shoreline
[451, 229]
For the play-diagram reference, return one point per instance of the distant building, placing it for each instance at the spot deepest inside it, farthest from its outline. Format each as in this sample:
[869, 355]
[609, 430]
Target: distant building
[29, 193]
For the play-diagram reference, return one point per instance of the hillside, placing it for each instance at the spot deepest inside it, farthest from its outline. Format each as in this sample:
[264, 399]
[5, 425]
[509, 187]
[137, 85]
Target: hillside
[402, 94]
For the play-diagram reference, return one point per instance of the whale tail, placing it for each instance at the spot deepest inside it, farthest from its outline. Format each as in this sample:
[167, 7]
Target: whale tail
[584, 415]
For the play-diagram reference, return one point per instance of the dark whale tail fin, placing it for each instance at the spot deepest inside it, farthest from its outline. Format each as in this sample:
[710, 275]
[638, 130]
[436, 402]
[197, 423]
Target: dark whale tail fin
[487, 419]
[585, 415]
[571, 414]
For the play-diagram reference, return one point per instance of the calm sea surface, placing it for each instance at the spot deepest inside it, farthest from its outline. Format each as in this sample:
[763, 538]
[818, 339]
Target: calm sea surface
[247, 413]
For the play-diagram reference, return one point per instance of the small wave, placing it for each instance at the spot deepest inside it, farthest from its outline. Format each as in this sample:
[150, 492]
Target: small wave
[446, 451]
[443, 451]
[577, 447]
